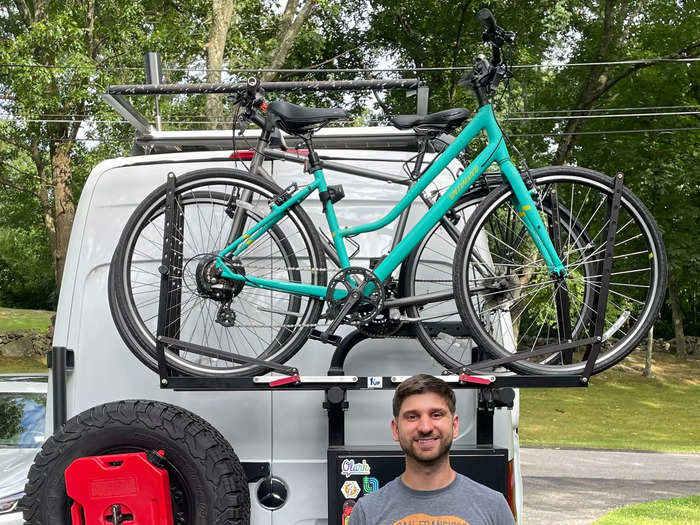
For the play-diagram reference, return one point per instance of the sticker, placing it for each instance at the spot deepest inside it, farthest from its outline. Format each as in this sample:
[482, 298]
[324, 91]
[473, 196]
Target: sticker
[350, 489]
[348, 505]
[369, 485]
[374, 382]
[350, 468]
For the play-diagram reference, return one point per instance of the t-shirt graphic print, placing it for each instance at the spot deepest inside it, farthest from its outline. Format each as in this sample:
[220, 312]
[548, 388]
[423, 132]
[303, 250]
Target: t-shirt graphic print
[426, 519]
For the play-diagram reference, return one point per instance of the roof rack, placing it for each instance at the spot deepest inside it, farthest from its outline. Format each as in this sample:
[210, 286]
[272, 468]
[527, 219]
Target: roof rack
[116, 95]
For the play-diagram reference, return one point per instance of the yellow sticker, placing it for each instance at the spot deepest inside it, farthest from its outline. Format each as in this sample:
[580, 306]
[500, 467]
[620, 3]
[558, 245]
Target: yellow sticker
[525, 208]
[521, 213]
[651, 255]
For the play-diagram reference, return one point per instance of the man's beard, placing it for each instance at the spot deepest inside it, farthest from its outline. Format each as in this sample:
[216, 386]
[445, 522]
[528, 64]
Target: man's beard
[407, 445]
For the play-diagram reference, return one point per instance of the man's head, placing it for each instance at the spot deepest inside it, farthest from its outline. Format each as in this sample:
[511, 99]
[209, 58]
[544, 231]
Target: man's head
[424, 421]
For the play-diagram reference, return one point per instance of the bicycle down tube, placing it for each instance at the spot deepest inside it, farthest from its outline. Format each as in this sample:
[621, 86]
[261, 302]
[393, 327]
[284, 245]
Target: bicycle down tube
[495, 151]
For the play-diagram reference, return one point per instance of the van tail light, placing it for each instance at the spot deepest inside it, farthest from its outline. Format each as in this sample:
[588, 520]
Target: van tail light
[511, 489]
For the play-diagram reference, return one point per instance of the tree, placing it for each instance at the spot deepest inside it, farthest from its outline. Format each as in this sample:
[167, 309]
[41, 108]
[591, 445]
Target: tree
[56, 59]
[221, 16]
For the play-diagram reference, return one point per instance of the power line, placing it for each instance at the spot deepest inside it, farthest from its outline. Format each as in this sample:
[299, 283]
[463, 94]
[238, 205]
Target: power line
[623, 115]
[553, 65]
[611, 132]
[178, 122]
[537, 112]
[599, 110]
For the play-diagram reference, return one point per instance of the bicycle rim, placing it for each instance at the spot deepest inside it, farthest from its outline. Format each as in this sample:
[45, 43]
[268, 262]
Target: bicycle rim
[510, 304]
[428, 269]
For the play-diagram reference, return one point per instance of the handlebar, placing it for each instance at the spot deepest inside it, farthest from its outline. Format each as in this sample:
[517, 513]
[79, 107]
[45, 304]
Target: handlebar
[486, 75]
[485, 16]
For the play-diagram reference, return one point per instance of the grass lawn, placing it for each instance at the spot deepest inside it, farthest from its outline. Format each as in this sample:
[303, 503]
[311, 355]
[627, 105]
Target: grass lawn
[22, 365]
[620, 409]
[677, 511]
[15, 319]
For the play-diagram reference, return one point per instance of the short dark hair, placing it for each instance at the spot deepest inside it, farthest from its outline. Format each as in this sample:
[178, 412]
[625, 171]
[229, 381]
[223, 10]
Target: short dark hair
[422, 384]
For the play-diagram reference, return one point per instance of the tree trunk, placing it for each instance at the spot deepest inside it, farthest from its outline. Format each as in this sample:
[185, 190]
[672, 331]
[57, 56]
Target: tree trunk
[222, 13]
[677, 315]
[44, 183]
[291, 25]
[64, 209]
[647, 357]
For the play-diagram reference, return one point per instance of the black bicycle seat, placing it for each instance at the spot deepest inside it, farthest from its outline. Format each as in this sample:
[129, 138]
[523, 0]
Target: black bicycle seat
[298, 119]
[444, 121]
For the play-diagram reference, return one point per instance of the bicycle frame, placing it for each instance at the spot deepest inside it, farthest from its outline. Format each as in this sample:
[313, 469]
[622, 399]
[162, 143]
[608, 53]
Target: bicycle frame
[495, 151]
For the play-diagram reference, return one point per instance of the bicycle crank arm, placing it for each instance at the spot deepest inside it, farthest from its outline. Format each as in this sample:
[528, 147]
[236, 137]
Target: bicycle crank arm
[227, 356]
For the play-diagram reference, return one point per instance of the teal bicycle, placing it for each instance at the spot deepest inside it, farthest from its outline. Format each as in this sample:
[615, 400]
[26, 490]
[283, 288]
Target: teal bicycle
[560, 270]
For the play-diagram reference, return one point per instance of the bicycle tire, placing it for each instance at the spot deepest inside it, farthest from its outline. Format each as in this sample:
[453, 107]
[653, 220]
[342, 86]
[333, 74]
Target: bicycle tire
[496, 316]
[440, 329]
[205, 197]
[428, 269]
[208, 484]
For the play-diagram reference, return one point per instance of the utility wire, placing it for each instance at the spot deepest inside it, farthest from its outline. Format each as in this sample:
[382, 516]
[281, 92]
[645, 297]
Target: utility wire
[177, 122]
[611, 132]
[361, 70]
[623, 115]
[534, 112]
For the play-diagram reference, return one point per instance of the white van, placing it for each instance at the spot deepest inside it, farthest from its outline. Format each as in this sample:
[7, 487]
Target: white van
[295, 476]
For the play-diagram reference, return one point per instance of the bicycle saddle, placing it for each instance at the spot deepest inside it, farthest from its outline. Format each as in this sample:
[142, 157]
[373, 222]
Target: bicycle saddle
[445, 121]
[298, 119]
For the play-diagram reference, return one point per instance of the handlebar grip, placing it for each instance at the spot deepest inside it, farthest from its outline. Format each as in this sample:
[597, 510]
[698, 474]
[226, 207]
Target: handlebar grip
[485, 16]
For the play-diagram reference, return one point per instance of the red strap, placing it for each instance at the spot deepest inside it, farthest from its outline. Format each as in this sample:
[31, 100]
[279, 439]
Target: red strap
[464, 378]
[286, 380]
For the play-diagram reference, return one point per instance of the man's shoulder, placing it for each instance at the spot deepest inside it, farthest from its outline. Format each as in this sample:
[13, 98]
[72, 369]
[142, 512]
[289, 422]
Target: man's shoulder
[477, 488]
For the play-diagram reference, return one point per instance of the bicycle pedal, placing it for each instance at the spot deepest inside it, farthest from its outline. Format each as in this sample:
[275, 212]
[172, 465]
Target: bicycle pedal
[330, 339]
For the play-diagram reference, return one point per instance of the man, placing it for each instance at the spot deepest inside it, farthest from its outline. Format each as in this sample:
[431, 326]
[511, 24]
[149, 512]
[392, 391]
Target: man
[429, 491]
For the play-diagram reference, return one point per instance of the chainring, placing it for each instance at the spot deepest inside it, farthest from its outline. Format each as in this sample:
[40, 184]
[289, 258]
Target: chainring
[350, 279]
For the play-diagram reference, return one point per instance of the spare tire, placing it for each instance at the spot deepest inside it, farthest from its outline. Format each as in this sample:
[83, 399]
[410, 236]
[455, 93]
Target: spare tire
[207, 482]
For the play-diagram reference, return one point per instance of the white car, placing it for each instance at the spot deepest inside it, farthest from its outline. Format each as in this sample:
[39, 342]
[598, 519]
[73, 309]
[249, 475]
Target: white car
[22, 424]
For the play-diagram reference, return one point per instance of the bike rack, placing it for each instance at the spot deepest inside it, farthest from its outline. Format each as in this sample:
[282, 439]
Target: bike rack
[336, 380]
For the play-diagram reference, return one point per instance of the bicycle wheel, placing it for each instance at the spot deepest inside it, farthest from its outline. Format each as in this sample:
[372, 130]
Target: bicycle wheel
[507, 297]
[428, 270]
[216, 313]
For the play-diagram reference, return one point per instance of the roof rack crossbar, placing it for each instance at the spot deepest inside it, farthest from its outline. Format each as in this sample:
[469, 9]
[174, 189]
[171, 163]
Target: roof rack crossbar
[329, 85]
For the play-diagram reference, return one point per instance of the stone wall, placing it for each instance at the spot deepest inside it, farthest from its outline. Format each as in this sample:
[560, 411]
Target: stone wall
[25, 343]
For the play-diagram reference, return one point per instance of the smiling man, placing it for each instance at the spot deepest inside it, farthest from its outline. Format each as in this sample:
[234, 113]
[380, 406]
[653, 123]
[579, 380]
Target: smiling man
[429, 491]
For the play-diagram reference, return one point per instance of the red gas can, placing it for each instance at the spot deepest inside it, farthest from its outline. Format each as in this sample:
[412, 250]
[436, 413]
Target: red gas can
[120, 489]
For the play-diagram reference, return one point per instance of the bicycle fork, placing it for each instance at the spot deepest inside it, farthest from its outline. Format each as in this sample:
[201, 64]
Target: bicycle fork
[527, 210]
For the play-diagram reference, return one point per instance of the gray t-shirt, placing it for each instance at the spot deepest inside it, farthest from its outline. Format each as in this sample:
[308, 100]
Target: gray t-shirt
[462, 502]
